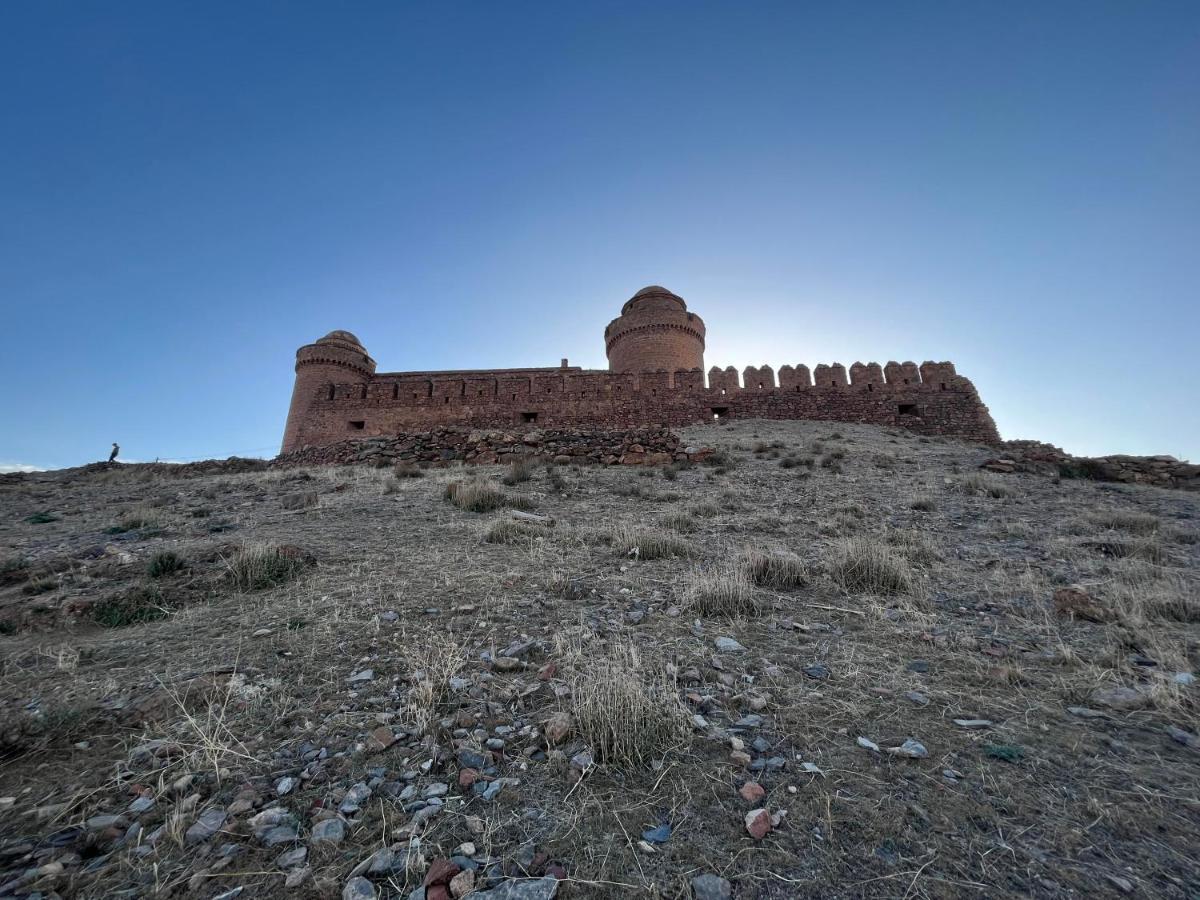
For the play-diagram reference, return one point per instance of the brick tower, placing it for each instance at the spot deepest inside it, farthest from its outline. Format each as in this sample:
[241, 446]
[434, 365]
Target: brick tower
[654, 331]
[339, 358]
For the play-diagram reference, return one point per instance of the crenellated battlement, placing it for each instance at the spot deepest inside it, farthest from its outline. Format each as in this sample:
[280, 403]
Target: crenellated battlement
[328, 406]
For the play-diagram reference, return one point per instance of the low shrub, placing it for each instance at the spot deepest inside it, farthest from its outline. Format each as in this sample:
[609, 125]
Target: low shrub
[259, 566]
[780, 571]
[483, 496]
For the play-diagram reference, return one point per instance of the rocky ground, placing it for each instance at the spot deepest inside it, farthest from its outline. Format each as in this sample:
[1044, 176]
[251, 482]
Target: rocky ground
[833, 661]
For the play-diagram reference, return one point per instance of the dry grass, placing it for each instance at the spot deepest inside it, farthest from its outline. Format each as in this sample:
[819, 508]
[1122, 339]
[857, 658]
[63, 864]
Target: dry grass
[725, 592]
[625, 706]
[483, 496]
[520, 471]
[981, 484]
[259, 566]
[866, 565]
[508, 531]
[1125, 520]
[433, 658]
[646, 544]
[408, 470]
[780, 571]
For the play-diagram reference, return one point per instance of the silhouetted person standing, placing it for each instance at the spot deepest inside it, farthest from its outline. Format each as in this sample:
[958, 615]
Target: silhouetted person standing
[115, 450]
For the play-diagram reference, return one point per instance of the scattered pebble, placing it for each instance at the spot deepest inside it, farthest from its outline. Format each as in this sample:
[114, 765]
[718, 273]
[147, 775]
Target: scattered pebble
[728, 645]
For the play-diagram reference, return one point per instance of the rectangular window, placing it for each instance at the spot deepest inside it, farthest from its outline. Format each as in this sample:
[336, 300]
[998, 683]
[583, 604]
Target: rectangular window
[528, 417]
[907, 409]
[720, 412]
[357, 424]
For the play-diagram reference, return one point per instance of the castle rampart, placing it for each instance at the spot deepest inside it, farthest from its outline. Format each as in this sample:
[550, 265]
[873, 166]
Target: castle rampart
[339, 396]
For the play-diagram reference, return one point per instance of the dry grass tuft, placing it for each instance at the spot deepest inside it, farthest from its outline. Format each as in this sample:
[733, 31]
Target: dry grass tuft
[868, 566]
[642, 543]
[520, 471]
[509, 531]
[721, 593]
[433, 660]
[981, 484]
[408, 470]
[482, 496]
[259, 566]
[1121, 520]
[626, 707]
[781, 571]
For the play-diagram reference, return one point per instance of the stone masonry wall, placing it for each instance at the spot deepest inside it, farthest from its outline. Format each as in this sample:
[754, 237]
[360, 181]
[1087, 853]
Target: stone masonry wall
[931, 400]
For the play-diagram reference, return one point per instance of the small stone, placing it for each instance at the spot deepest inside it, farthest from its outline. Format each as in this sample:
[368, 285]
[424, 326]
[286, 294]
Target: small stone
[141, 804]
[358, 888]
[558, 728]
[711, 887]
[1123, 698]
[101, 823]
[917, 697]
[381, 738]
[286, 785]
[1076, 603]
[973, 723]
[297, 877]
[582, 761]
[867, 744]
[740, 758]
[1084, 713]
[507, 664]
[437, 789]
[819, 672]
[1124, 885]
[262, 632]
[462, 884]
[758, 823]
[206, 826]
[355, 798]
[920, 666]
[728, 645]
[289, 859]
[752, 792]
[329, 831]
[1184, 678]
[751, 721]
[1186, 738]
[362, 677]
[280, 834]
[911, 748]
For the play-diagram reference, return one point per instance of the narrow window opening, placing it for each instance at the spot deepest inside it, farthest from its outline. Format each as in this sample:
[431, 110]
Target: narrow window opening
[720, 412]
[943, 385]
[529, 417]
[357, 424]
[414, 396]
[332, 389]
[907, 409]
[870, 387]
[760, 385]
[722, 392]
[446, 400]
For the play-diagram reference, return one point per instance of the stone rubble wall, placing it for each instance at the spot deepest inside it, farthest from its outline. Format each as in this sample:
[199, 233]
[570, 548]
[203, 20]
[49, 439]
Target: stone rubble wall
[1046, 459]
[642, 446]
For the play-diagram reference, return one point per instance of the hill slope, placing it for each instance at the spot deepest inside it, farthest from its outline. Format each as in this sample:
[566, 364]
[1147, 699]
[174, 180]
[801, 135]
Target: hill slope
[412, 679]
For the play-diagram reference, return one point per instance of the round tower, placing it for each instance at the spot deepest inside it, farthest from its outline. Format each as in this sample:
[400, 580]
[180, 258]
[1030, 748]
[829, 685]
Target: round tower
[654, 331]
[337, 358]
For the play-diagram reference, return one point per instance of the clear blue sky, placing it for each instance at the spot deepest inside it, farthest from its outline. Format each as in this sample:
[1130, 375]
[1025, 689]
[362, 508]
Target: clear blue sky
[189, 191]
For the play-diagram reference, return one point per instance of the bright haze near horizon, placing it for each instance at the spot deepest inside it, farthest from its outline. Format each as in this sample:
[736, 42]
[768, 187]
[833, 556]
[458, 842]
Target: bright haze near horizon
[189, 192]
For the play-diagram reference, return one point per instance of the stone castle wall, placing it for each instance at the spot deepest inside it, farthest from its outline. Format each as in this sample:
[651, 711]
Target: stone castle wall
[941, 402]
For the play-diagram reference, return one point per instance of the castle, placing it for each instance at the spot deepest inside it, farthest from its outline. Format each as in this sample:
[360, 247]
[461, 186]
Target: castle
[655, 376]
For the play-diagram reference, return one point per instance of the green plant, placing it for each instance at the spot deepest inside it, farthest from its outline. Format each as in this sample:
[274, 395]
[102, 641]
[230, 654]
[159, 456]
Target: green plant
[163, 563]
[144, 603]
[41, 518]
